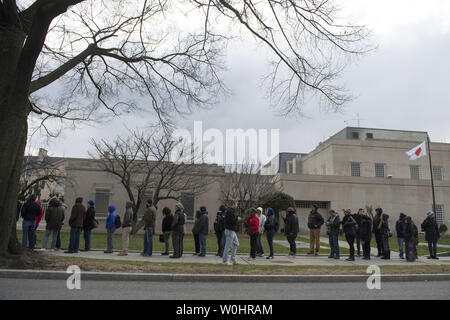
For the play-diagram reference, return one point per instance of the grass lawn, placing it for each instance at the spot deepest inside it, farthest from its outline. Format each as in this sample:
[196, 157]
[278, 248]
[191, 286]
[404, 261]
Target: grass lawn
[98, 241]
[421, 250]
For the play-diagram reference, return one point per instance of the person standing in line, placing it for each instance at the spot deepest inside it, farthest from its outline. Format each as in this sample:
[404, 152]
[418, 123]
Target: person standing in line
[400, 227]
[291, 230]
[30, 210]
[262, 220]
[178, 231]
[88, 225]
[126, 228]
[333, 225]
[253, 228]
[270, 227]
[231, 220]
[54, 216]
[315, 222]
[38, 220]
[76, 223]
[358, 218]
[377, 231]
[167, 228]
[195, 233]
[349, 227]
[430, 227]
[219, 228]
[112, 223]
[366, 236]
[411, 235]
[203, 230]
[58, 238]
[149, 219]
[383, 227]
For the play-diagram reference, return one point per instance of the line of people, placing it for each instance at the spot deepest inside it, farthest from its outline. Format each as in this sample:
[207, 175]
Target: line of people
[358, 229]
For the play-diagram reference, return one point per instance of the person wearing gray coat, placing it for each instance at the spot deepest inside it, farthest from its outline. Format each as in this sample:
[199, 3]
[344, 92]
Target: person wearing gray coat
[126, 228]
[54, 217]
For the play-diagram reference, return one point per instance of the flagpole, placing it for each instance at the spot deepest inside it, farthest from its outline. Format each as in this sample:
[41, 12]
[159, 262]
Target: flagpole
[431, 174]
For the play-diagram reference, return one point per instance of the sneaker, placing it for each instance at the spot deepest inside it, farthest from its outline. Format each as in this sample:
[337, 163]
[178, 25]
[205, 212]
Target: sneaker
[165, 254]
[107, 251]
[358, 255]
[435, 258]
[143, 254]
[202, 255]
[68, 251]
[227, 263]
[173, 257]
[310, 253]
[269, 257]
[366, 258]
[429, 257]
[331, 256]
[350, 259]
[42, 249]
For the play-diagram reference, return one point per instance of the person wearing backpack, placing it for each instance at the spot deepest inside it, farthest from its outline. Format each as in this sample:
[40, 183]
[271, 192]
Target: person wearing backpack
[178, 231]
[149, 219]
[349, 226]
[112, 223]
[270, 227]
[219, 228]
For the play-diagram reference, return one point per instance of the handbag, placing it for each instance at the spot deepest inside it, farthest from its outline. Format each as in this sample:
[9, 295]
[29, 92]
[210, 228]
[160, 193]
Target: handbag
[161, 238]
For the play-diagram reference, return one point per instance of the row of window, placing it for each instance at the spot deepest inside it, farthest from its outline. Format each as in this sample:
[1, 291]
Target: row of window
[380, 171]
[103, 197]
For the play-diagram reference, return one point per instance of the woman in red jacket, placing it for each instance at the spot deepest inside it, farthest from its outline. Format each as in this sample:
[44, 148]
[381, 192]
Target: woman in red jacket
[253, 228]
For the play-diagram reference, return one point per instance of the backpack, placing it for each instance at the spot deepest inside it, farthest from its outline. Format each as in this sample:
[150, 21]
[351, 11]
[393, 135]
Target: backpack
[117, 222]
[219, 224]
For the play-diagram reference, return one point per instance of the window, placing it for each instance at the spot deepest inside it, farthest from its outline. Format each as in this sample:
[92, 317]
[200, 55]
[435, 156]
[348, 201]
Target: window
[147, 195]
[355, 135]
[355, 169]
[415, 172]
[290, 167]
[324, 170]
[437, 173]
[188, 201]
[101, 202]
[309, 204]
[379, 170]
[440, 214]
[369, 135]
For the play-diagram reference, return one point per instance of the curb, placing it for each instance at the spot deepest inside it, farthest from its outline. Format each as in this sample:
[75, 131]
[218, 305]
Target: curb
[121, 276]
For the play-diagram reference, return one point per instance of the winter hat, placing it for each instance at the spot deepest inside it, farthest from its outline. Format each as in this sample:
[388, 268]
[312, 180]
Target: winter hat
[179, 206]
[166, 211]
[270, 212]
[79, 200]
[150, 201]
[402, 216]
[430, 213]
[252, 210]
[111, 209]
[203, 209]
[260, 209]
[290, 209]
[379, 210]
[91, 202]
[222, 208]
[128, 204]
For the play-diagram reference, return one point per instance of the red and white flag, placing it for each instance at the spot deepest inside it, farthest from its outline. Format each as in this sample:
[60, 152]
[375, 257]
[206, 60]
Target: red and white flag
[417, 152]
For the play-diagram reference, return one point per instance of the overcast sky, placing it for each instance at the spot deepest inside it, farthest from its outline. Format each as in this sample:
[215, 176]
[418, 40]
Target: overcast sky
[404, 84]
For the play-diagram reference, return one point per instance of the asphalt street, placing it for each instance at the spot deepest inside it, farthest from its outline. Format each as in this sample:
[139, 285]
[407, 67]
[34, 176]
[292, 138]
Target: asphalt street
[111, 290]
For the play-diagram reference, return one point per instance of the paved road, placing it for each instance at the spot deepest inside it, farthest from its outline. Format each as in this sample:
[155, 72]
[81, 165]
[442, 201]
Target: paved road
[56, 289]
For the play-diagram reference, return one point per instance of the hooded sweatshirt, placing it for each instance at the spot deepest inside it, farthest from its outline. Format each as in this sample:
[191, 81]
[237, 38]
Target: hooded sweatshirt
[111, 219]
[203, 221]
[128, 216]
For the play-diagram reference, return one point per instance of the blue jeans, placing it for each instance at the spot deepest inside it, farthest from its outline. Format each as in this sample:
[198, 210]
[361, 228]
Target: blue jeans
[148, 241]
[334, 244]
[401, 242]
[74, 241]
[269, 235]
[202, 238]
[28, 233]
[259, 247]
[230, 237]
[432, 247]
[87, 239]
[54, 234]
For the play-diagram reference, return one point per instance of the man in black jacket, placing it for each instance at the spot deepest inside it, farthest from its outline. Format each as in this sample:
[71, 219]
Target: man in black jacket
[349, 227]
[333, 225]
[167, 228]
[203, 230]
[219, 228]
[429, 225]
[400, 227]
[358, 218]
[382, 227]
[178, 231]
[30, 210]
[366, 235]
[88, 225]
[231, 220]
[377, 231]
[315, 222]
[291, 230]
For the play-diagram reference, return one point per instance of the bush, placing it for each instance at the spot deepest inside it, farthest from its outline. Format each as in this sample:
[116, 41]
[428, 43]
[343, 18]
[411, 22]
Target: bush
[443, 229]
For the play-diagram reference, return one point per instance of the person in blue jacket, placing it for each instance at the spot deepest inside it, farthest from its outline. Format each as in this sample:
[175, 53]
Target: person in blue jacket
[111, 227]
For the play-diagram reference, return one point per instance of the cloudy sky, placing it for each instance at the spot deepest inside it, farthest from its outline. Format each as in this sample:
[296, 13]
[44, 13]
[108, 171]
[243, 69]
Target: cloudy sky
[404, 84]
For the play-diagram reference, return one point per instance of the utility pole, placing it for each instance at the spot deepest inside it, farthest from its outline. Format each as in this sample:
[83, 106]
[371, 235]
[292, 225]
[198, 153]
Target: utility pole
[431, 174]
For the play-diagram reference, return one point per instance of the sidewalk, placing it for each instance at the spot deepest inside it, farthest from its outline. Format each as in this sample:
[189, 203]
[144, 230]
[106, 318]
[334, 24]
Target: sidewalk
[299, 260]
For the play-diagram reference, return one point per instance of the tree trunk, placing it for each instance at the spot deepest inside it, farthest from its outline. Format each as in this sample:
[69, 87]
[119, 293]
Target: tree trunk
[14, 109]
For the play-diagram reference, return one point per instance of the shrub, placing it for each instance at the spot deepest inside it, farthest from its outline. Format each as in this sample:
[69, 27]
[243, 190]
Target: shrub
[443, 229]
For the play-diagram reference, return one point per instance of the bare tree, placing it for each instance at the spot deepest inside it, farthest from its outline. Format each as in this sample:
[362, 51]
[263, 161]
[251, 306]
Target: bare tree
[145, 162]
[245, 184]
[38, 171]
[104, 57]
